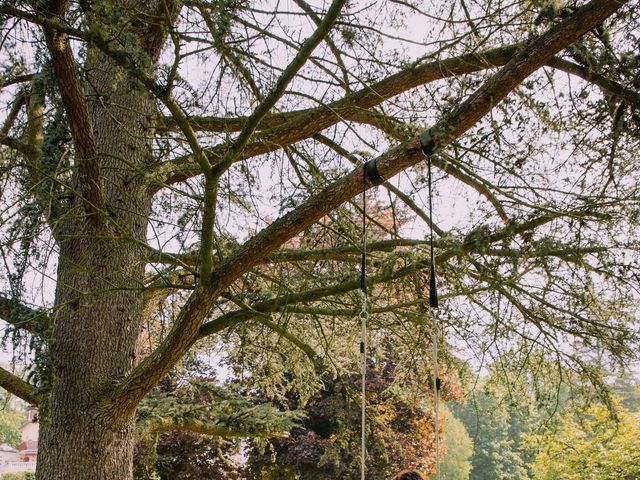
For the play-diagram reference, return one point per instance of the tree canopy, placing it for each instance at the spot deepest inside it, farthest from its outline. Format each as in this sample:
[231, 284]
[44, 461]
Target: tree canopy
[183, 174]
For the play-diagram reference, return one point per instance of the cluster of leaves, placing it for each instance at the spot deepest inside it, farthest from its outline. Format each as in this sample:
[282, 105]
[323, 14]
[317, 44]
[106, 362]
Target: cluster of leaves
[400, 433]
[190, 428]
[184, 455]
[10, 423]
[18, 476]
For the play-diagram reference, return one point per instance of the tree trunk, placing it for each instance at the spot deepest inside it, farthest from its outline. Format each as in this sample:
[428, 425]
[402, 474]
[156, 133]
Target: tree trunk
[98, 296]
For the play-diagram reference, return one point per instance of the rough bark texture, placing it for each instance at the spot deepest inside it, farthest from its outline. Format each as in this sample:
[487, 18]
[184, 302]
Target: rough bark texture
[98, 293]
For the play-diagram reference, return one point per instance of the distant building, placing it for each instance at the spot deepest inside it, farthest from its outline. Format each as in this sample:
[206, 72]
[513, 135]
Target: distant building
[29, 435]
[24, 458]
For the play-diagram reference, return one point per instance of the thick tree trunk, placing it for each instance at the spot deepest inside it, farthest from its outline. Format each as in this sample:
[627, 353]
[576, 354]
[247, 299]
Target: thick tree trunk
[98, 297]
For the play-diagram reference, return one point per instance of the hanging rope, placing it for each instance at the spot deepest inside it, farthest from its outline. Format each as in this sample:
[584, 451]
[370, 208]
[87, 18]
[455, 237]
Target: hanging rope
[363, 330]
[369, 172]
[433, 309]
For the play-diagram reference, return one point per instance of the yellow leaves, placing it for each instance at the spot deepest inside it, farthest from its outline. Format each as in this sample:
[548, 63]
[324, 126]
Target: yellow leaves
[590, 444]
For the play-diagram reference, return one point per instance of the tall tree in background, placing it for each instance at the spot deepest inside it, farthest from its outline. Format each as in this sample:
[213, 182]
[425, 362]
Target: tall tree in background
[149, 145]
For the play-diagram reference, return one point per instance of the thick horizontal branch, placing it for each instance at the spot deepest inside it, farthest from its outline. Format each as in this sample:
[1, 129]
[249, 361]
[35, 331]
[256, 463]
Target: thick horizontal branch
[126, 395]
[452, 249]
[288, 128]
[349, 107]
[346, 252]
[18, 387]
[27, 77]
[25, 149]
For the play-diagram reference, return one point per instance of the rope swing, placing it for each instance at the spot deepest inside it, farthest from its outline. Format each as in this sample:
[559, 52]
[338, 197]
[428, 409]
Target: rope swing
[429, 147]
[433, 310]
[370, 172]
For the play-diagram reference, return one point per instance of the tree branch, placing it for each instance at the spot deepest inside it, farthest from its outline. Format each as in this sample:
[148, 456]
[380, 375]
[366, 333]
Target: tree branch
[288, 128]
[80, 124]
[309, 45]
[18, 387]
[126, 395]
[607, 86]
[452, 249]
[19, 315]
[399, 131]
[345, 252]
[27, 77]
[352, 105]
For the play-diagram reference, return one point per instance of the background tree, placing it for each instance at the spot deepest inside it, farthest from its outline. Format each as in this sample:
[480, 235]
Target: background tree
[496, 453]
[590, 443]
[457, 460]
[149, 146]
[10, 423]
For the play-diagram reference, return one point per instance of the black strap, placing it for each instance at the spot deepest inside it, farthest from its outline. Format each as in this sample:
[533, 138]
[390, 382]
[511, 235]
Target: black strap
[428, 143]
[371, 170]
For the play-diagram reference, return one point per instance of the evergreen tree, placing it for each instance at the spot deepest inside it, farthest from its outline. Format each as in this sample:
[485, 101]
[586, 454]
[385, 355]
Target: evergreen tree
[174, 173]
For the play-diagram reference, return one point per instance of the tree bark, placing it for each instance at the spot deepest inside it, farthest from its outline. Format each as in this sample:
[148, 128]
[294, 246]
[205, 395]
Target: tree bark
[98, 296]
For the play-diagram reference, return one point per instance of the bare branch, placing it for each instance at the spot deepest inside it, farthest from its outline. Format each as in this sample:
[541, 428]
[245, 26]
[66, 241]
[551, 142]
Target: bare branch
[21, 147]
[16, 106]
[18, 387]
[288, 128]
[346, 252]
[451, 250]
[27, 77]
[608, 86]
[278, 90]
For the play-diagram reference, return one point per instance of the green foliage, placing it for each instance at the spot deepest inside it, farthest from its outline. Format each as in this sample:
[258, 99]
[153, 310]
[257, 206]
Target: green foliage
[18, 476]
[10, 423]
[457, 460]
[181, 401]
[221, 408]
[627, 388]
[589, 444]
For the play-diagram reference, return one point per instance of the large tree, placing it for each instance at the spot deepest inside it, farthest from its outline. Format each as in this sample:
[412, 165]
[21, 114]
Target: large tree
[177, 171]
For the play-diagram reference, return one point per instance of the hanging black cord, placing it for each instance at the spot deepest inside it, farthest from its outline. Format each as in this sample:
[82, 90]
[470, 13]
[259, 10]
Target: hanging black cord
[433, 290]
[363, 333]
[363, 263]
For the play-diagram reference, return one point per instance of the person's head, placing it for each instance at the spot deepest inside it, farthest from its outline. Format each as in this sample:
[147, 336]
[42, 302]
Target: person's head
[409, 475]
